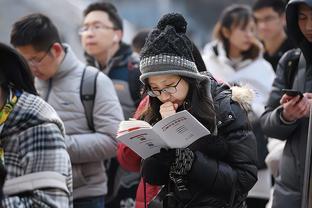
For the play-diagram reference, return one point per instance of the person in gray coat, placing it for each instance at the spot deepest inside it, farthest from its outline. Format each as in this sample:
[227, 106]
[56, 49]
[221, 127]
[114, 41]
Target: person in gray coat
[58, 75]
[286, 117]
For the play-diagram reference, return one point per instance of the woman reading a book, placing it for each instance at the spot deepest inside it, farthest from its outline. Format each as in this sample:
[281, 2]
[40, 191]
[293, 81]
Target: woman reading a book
[217, 170]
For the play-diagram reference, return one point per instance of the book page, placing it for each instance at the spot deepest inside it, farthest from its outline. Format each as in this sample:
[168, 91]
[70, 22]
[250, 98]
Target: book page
[143, 141]
[131, 125]
[180, 130]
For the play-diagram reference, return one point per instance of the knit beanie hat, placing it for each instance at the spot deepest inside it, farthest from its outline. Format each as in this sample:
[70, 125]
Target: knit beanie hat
[168, 50]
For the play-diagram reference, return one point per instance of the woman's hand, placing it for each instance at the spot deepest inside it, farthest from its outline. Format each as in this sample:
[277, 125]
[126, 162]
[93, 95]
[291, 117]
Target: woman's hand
[155, 169]
[168, 109]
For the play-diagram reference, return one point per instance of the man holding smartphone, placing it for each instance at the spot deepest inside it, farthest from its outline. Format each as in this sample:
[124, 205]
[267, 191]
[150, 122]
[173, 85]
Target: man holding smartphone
[286, 115]
[292, 93]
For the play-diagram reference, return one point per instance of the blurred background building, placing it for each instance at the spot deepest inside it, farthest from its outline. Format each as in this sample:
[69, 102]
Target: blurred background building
[138, 14]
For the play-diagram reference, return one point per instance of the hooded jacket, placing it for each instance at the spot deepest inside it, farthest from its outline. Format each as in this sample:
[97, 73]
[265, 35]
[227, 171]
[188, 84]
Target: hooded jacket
[247, 72]
[223, 173]
[289, 185]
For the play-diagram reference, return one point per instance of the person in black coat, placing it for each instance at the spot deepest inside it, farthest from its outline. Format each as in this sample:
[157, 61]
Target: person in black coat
[217, 170]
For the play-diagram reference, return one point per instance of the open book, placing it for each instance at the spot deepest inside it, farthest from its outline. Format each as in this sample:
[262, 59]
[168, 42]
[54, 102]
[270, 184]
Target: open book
[177, 131]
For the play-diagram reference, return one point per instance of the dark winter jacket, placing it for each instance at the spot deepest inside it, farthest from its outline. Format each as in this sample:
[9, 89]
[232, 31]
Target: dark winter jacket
[288, 186]
[225, 169]
[123, 69]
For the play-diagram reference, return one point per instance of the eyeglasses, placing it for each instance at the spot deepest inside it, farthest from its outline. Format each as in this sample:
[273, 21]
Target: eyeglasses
[94, 28]
[169, 90]
[36, 62]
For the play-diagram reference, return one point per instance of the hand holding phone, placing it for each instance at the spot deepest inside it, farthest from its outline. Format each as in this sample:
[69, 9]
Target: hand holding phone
[292, 93]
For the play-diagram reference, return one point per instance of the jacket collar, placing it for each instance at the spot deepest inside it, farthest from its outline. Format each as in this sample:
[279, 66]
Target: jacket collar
[68, 64]
[220, 53]
[119, 59]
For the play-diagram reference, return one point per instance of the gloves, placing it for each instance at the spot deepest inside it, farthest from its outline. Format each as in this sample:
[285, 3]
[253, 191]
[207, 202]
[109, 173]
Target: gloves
[155, 169]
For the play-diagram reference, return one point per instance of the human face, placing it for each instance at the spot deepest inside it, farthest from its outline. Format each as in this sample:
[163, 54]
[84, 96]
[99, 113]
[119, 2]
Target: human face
[241, 39]
[98, 34]
[160, 82]
[305, 21]
[269, 23]
[169, 90]
[43, 64]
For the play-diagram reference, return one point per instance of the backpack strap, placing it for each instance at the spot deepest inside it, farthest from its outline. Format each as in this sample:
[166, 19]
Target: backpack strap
[87, 93]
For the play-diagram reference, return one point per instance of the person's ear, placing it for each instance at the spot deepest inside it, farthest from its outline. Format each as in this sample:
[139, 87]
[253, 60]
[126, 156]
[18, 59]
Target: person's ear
[226, 32]
[117, 36]
[283, 16]
[56, 49]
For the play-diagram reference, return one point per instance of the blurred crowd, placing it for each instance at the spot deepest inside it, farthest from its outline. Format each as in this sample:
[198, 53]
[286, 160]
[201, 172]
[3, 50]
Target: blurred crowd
[250, 87]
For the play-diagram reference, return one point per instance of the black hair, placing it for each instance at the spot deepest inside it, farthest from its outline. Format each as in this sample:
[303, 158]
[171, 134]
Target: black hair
[277, 5]
[139, 39]
[36, 30]
[200, 64]
[198, 102]
[237, 15]
[14, 71]
[108, 8]
[169, 38]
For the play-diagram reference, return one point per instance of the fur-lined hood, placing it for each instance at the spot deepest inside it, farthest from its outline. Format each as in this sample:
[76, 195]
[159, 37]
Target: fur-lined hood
[243, 95]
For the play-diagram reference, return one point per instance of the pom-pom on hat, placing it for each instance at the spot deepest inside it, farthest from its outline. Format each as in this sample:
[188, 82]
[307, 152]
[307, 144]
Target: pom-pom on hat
[168, 50]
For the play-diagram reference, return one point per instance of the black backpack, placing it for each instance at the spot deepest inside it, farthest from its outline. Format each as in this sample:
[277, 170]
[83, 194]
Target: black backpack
[122, 185]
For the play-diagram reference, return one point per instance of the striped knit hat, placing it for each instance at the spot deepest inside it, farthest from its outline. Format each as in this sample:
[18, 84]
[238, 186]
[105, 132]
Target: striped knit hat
[168, 50]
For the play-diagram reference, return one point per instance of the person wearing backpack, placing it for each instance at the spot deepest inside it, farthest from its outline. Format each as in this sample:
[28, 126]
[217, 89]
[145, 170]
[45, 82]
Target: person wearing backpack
[101, 37]
[58, 79]
[287, 117]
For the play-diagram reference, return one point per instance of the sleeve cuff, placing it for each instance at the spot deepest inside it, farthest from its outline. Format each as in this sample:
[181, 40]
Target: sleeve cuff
[286, 122]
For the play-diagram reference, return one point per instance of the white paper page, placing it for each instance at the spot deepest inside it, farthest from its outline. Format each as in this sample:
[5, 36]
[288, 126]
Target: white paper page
[144, 142]
[131, 125]
[180, 130]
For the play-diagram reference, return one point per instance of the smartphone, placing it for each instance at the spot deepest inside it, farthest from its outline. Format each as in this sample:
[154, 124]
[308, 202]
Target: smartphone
[292, 93]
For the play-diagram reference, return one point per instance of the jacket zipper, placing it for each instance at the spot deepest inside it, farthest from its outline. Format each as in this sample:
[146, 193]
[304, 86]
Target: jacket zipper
[49, 90]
